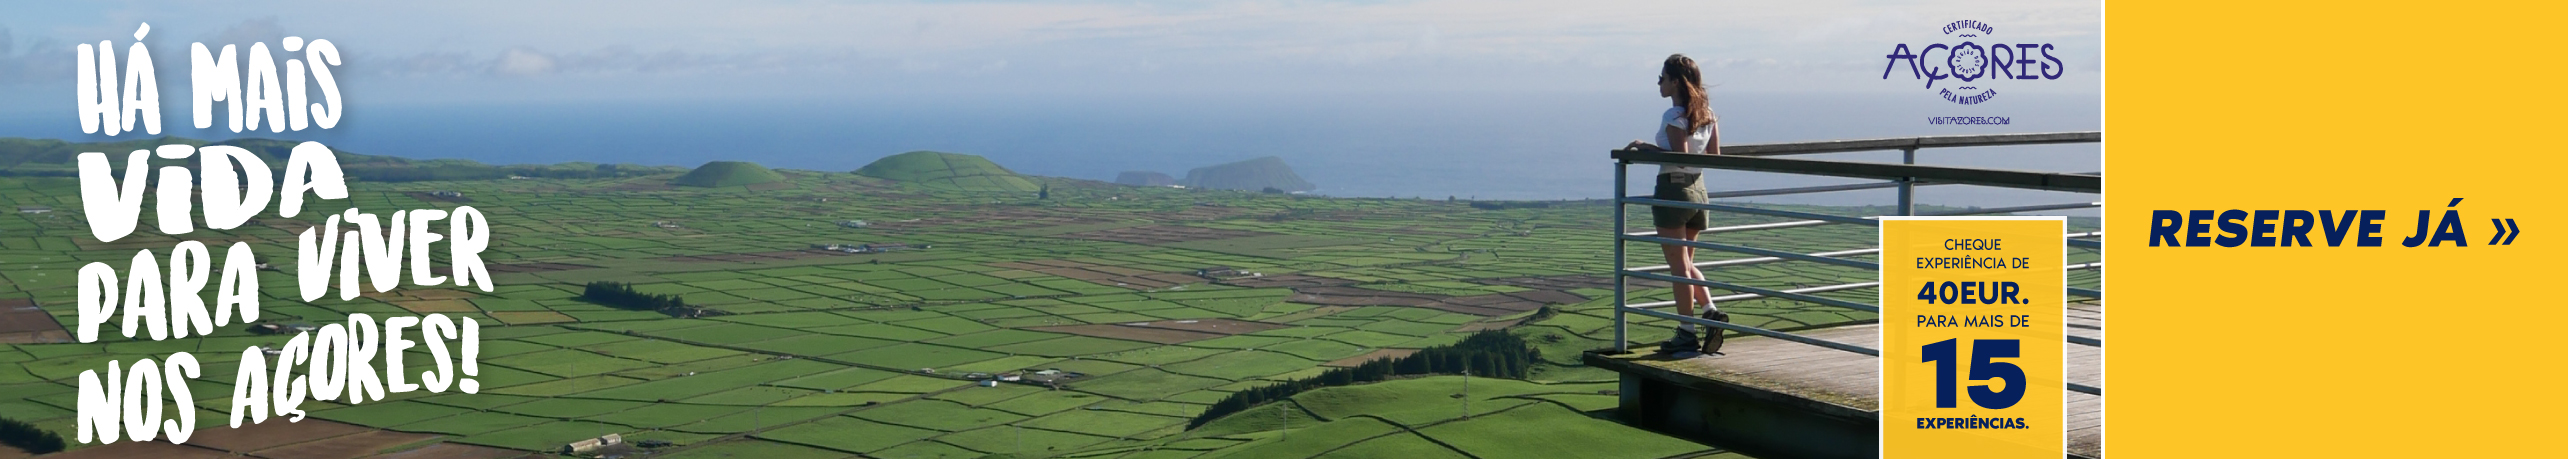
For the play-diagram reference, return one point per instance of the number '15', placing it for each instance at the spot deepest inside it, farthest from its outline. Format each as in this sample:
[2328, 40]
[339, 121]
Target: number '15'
[1943, 354]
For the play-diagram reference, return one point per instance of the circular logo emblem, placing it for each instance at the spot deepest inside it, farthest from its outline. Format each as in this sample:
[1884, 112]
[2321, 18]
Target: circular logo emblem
[1969, 61]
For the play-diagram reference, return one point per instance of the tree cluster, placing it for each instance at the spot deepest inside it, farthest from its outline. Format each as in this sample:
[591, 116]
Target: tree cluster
[1491, 353]
[28, 437]
[622, 295]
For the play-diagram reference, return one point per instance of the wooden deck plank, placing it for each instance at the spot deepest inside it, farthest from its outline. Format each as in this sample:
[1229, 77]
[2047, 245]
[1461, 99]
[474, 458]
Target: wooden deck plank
[1796, 368]
[2085, 320]
[2086, 424]
[2085, 364]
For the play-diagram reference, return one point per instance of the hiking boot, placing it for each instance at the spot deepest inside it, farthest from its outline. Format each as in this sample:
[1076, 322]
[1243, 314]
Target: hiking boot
[1712, 338]
[1683, 342]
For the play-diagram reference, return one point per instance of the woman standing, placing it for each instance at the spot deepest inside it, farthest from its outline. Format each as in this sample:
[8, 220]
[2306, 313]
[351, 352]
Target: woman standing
[1688, 127]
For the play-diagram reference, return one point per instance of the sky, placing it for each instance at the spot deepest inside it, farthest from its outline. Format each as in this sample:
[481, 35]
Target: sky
[1500, 94]
[459, 51]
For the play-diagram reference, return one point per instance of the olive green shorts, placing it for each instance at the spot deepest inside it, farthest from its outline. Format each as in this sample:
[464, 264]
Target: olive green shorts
[1680, 187]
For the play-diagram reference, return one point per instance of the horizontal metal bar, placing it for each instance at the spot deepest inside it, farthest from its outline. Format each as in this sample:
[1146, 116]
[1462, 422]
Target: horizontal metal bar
[2086, 389]
[1756, 331]
[1828, 188]
[1751, 296]
[2072, 339]
[1980, 211]
[2014, 209]
[1818, 289]
[1757, 260]
[1858, 264]
[1641, 200]
[2079, 266]
[1772, 293]
[2091, 342]
[1901, 143]
[2084, 235]
[2089, 293]
[1805, 189]
[2034, 180]
[1764, 226]
[2080, 388]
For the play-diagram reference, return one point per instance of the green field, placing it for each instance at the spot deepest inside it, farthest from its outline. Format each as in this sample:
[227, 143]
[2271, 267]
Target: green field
[833, 354]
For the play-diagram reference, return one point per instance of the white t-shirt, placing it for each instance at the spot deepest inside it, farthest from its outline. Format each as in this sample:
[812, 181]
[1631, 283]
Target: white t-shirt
[1675, 117]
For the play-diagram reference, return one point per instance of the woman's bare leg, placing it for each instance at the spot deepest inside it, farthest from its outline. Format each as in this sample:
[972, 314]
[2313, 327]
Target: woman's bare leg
[1702, 295]
[1680, 263]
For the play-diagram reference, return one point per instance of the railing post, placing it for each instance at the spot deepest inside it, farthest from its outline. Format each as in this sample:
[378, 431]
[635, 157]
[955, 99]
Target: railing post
[1908, 185]
[1621, 175]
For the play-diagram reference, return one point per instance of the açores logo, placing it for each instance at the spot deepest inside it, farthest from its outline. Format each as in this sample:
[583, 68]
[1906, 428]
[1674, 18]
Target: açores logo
[1978, 66]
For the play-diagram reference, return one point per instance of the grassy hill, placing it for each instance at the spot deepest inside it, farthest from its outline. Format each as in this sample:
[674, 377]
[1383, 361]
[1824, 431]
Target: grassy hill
[1252, 175]
[949, 171]
[728, 173]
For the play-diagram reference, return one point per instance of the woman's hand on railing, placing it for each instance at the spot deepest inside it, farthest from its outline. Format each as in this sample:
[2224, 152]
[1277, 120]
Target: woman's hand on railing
[1643, 145]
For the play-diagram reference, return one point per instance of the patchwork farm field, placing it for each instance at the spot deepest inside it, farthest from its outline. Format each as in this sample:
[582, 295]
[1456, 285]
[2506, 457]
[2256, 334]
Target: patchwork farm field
[1119, 313]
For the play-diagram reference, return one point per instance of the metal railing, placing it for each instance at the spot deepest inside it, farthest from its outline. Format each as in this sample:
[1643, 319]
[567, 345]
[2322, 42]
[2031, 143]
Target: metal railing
[1905, 176]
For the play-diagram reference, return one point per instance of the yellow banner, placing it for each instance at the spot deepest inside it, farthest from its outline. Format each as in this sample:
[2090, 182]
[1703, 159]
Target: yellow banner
[1971, 314]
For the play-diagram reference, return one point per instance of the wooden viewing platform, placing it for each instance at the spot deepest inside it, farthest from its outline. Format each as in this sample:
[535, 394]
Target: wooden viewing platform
[1779, 399]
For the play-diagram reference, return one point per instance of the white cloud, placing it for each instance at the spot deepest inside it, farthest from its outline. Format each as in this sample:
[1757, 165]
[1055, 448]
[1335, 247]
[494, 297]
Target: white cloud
[521, 62]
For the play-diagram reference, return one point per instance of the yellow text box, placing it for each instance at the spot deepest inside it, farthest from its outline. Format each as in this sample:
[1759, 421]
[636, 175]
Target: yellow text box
[1972, 339]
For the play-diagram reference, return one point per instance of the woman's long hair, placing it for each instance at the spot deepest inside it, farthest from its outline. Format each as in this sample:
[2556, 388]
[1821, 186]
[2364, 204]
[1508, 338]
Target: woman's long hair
[1698, 110]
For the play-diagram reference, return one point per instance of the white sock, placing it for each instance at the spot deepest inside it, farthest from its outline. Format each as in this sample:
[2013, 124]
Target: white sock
[1689, 328]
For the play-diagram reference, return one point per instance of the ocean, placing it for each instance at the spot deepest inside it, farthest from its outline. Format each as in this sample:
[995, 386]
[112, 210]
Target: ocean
[1470, 145]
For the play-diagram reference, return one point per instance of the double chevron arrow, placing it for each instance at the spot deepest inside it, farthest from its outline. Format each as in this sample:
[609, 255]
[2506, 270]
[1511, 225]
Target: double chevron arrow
[2506, 231]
